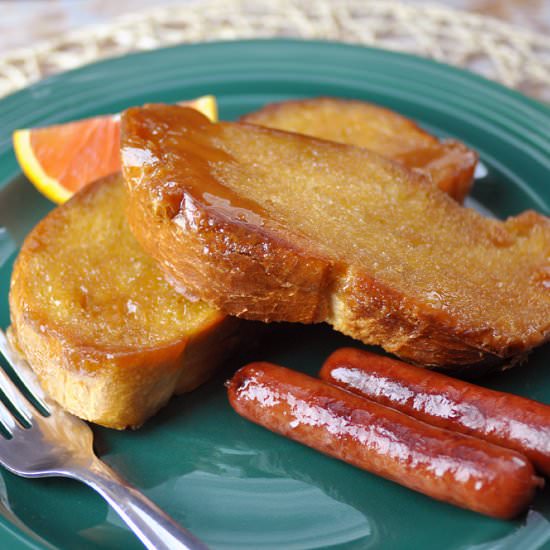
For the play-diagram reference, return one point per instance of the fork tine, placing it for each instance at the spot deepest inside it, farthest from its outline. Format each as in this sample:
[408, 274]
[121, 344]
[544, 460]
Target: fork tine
[14, 395]
[23, 371]
[7, 420]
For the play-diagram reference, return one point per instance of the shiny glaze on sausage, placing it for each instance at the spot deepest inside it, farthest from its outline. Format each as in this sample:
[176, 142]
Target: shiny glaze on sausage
[501, 418]
[448, 466]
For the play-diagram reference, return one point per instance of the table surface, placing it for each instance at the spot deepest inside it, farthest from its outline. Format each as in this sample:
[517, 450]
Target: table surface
[501, 40]
[25, 22]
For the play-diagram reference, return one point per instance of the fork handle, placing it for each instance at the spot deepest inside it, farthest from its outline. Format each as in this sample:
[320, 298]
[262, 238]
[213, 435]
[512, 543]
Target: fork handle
[154, 528]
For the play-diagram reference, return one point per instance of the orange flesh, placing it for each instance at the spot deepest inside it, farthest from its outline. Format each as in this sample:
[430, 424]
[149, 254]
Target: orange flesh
[351, 206]
[91, 146]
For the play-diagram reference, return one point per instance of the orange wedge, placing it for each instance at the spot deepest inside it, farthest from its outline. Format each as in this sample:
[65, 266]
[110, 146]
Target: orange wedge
[59, 160]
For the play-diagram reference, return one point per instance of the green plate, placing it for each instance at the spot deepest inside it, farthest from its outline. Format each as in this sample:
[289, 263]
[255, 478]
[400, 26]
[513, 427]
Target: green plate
[232, 483]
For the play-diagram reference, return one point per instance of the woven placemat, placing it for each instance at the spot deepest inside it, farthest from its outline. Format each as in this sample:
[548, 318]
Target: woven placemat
[502, 52]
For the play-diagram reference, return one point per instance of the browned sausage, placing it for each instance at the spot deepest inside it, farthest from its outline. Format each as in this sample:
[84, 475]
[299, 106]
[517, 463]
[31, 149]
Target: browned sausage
[445, 465]
[502, 418]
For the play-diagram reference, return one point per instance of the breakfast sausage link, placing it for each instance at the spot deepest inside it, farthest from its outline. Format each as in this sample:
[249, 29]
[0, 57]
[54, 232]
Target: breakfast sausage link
[501, 418]
[445, 465]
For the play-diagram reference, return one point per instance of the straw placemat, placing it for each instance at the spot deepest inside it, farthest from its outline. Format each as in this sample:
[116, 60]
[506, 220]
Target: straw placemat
[514, 57]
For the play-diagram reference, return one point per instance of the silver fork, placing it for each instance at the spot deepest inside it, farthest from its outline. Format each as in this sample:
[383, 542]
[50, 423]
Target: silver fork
[62, 445]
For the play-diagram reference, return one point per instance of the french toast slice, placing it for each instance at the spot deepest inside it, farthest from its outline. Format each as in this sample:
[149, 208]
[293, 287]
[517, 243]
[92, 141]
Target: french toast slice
[449, 163]
[278, 226]
[108, 337]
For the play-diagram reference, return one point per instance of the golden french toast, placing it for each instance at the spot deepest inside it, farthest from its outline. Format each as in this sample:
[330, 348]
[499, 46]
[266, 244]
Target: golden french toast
[278, 226]
[108, 337]
[449, 163]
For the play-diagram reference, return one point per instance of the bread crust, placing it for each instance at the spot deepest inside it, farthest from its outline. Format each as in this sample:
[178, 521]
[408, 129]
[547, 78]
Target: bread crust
[258, 270]
[122, 389]
[253, 275]
[111, 383]
[449, 163]
[361, 306]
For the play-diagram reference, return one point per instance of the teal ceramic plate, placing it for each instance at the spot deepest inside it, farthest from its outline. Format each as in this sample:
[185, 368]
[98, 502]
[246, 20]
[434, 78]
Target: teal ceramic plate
[232, 483]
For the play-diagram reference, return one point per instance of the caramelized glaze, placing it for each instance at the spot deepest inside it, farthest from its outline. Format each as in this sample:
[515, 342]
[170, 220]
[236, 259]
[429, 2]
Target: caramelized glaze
[182, 152]
[87, 278]
[276, 226]
[108, 337]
